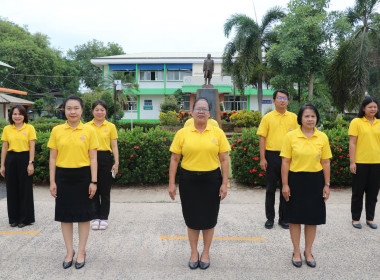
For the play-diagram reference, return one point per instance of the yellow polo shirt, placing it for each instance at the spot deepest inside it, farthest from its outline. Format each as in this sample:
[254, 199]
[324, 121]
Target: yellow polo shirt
[18, 139]
[190, 122]
[368, 142]
[200, 151]
[274, 126]
[73, 144]
[105, 132]
[306, 153]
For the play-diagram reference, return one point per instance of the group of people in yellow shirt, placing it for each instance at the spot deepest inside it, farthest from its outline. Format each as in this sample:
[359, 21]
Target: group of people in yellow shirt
[80, 166]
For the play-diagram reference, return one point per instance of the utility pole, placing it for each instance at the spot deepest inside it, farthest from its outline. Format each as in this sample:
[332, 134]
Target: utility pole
[116, 87]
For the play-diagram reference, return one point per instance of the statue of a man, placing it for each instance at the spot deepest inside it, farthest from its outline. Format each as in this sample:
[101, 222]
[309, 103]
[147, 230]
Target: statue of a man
[208, 69]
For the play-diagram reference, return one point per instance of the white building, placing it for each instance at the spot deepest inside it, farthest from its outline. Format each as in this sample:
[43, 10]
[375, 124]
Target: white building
[162, 74]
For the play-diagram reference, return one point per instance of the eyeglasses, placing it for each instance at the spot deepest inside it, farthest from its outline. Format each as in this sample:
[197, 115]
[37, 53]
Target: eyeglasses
[282, 98]
[201, 109]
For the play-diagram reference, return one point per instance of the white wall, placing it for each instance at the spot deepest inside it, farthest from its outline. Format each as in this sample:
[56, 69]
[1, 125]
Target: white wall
[265, 107]
[151, 114]
[130, 115]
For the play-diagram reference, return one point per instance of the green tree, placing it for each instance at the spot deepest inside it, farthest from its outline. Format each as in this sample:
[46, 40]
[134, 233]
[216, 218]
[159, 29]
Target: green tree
[349, 72]
[38, 67]
[243, 55]
[82, 55]
[169, 104]
[39, 106]
[302, 36]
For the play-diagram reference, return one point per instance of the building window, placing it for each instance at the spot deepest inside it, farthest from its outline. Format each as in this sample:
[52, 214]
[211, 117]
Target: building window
[151, 75]
[236, 102]
[185, 104]
[130, 104]
[177, 75]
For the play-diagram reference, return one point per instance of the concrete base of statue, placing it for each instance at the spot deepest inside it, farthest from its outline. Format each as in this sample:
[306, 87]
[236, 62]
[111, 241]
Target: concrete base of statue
[212, 96]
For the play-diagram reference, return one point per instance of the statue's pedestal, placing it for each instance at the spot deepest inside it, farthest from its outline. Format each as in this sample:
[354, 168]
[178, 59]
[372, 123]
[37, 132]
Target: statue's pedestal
[207, 86]
[212, 96]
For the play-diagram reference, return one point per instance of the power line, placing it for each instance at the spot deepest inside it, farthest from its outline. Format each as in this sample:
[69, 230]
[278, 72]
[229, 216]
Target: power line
[47, 76]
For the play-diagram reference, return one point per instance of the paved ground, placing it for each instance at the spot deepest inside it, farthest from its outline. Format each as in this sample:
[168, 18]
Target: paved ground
[132, 247]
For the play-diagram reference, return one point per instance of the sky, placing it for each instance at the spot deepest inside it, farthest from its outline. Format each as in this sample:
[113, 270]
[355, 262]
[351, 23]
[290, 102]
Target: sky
[138, 25]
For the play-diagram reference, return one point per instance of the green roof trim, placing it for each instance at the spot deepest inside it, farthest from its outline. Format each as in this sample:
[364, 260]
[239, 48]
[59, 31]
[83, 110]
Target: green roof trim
[155, 91]
[195, 88]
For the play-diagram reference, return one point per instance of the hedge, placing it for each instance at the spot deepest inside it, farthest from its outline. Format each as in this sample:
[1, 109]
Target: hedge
[245, 157]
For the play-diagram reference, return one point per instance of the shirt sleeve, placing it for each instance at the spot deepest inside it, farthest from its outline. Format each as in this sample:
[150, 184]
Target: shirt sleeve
[326, 150]
[353, 130]
[286, 150]
[188, 122]
[52, 144]
[32, 133]
[113, 132]
[4, 136]
[93, 142]
[224, 146]
[263, 127]
[176, 146]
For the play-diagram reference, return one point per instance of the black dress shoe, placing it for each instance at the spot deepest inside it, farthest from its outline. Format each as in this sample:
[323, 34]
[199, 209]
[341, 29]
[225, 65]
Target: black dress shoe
[312, 263]
[14, 224]
[68, 264]
[194, 265]
[204, 265]
[296, 264]
[80, 265]
[358, 226]
[269, 224]
[372, 225]
[22, 225]
[283, 224]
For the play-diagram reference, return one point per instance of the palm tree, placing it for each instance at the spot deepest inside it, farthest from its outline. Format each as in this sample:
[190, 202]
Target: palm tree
[243, 55]
[349, 71]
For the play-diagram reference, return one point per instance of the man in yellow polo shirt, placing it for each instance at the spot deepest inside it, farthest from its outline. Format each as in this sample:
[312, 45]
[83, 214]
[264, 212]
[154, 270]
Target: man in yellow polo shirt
[273, 127]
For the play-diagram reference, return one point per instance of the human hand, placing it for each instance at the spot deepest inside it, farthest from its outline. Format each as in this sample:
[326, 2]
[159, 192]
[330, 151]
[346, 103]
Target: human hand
[172, 190]
[30, 169]
[92, 190]
[326, 193]
[286, 192]
[353, 168]
[263, 164]
[223, 191]
[53, 190]
[2, 171]
[115, 168]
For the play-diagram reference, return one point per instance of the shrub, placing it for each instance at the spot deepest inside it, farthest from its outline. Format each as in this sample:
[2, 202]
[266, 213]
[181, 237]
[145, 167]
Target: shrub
[145, 125]
[169, 118]
[183, 116]
[225, 116]
[245, 118]
[170, 104]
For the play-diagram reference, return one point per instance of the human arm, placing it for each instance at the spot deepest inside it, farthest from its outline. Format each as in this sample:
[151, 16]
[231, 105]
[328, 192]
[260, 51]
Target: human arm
[284, 176]
[52, 169]
[223, 158]
[32, 149]
[263, 161]
[4, 151]
[352, 152]
[115, 152]
[94, 172]
[326, 174]
[174, 160]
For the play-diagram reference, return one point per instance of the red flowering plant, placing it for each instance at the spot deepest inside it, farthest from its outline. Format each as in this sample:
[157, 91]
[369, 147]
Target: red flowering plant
[183, 116]
[225, 116]
[245, 158]
[340, 161]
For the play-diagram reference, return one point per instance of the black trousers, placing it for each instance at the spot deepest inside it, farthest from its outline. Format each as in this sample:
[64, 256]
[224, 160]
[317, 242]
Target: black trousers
[273, 177]
[366, 180]
[19, 188]
[103, 193]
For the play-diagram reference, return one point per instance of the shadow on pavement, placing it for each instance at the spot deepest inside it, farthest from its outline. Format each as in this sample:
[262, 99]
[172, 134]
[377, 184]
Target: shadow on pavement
[3, 191]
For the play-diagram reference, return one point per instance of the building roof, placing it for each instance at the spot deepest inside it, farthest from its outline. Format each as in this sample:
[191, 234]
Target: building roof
[8, 90]
[8, 99]
[157, 57]
[3, 64]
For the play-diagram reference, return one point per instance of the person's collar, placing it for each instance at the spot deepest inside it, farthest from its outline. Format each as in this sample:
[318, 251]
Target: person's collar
[103, 123]
[284, 114]
[299, 132]
[208, 127]
[80, 125]
[23, 126]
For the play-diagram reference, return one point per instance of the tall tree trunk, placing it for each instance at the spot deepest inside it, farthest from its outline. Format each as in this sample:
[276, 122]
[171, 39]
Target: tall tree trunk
[299, 92]
[311, 85]
[260, 94]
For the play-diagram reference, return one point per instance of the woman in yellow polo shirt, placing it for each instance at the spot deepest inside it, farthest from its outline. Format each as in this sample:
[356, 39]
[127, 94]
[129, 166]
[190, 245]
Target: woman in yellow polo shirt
[305, 175]
[17, 158]
[107, 136]
[201, 183]
[364, 148]
[73, 175]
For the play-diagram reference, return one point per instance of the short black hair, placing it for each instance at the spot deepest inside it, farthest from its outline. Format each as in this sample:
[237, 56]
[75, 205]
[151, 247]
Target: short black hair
[303, 108]
[22, 111]
[99, 102]
[284, 91]
[202, 98]
[366, 101]
[73, 97]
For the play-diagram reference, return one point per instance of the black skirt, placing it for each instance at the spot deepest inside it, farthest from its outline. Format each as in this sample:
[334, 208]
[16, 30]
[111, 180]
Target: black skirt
[73, 203]
[306, 203]
[199, 192]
